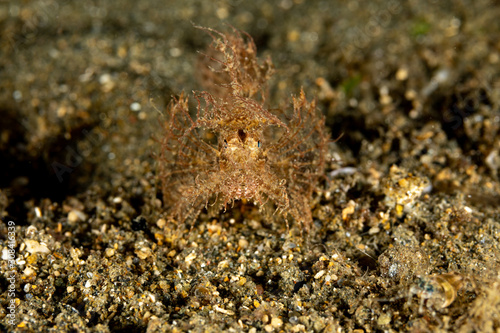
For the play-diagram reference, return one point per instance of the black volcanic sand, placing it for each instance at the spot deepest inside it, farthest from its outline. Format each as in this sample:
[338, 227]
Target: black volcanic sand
[406, 227]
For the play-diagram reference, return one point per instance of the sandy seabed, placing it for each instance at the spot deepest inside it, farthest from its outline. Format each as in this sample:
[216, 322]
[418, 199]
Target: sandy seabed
[406, 222]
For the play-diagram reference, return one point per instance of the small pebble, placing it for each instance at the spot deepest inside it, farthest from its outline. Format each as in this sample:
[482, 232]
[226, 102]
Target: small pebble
[143, 252]
[109, 252]
[33, 246]
[28, 271]
[276, 322]
[319, 274]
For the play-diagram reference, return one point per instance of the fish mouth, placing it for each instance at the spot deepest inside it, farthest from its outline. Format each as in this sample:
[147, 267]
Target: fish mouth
[243, 192]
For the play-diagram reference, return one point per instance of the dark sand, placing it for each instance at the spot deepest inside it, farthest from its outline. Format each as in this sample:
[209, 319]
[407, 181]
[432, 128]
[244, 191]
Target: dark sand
[406, 232]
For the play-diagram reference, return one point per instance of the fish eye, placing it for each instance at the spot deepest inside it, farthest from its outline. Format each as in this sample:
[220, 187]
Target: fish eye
[225, 143]
[242, 135]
